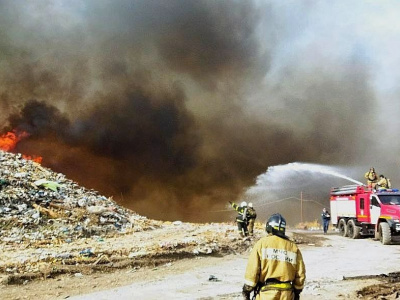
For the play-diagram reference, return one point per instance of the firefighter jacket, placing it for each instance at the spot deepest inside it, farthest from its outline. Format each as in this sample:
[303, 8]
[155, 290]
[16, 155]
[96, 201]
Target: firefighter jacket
[242, 213]
[383, 183]
[276, 258]
[251, 213]
[371, 176]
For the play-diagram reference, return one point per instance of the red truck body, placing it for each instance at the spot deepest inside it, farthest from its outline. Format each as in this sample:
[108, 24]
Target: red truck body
[357, 210]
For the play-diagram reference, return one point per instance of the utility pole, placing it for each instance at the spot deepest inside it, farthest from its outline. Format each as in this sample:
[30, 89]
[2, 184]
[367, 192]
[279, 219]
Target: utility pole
[301, 206]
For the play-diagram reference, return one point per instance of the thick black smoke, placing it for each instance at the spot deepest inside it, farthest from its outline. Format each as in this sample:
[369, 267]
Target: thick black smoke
[174, 107]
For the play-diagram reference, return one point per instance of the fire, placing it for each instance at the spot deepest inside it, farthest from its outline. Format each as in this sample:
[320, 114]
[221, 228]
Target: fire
[9, 141]
[37, 159]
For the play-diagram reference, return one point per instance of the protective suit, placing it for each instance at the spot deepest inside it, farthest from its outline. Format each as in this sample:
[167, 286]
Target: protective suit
[276, 267]
[372, 178]
[241, 218]
[252, 215]
[383, 183]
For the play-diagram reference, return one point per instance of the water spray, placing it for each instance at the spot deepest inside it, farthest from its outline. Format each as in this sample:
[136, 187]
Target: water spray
[281, 187]
[275, 175]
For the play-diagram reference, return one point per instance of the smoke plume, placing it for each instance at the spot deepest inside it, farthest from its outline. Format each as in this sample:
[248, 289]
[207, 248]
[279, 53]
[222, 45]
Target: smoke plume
[175, 107]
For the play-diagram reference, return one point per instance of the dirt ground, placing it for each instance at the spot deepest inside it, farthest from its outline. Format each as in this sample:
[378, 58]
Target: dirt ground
[337, 268]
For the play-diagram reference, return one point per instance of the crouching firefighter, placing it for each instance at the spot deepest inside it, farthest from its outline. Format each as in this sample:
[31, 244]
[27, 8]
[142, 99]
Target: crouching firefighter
[275, 269]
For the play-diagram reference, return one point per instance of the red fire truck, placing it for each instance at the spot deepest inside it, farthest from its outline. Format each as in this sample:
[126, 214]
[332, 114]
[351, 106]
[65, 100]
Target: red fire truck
[357, 210]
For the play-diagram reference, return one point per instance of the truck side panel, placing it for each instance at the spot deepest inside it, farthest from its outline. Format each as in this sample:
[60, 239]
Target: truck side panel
[342, 207]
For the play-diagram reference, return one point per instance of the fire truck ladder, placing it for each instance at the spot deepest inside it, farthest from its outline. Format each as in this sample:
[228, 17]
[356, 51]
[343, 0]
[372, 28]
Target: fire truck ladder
[345, 190]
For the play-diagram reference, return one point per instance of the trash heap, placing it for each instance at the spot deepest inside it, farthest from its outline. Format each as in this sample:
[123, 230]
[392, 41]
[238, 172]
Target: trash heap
[37, 204]
[49, 226]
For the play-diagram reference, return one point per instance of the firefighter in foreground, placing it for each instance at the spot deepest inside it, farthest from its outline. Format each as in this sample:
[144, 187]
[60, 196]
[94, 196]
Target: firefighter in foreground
[241, 218]
[275, 269]
[251, 216]
[372, 177]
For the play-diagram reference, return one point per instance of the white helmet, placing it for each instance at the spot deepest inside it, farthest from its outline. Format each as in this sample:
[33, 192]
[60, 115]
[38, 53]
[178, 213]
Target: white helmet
[244, 203]
[250, 204]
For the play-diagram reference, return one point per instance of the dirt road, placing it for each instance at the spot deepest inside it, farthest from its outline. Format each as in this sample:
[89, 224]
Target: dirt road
[326, 266]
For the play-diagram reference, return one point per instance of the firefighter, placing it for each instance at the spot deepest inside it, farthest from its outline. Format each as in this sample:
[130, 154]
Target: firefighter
[383, 183]
[275, 269]
[251, 217]
[371, 177]
[326, 217]
[241, 218]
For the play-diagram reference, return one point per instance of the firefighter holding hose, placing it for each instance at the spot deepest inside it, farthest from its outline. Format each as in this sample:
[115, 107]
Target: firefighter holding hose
[275, 269]
[372, 178]
[241, 218]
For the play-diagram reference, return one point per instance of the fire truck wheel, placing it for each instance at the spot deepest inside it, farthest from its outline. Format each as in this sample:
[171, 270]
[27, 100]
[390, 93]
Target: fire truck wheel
[384, 233]
[342, 227]
[353, 231]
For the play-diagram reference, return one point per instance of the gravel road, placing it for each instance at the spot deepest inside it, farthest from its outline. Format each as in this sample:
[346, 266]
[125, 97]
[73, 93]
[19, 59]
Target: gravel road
[326, 266]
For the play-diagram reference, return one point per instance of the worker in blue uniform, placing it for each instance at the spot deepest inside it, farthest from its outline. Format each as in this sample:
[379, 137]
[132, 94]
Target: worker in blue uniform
[326, 217]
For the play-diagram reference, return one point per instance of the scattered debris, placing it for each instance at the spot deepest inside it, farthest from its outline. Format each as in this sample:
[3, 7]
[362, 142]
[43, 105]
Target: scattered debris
[37, 204]
[213, 278]
[49, 225]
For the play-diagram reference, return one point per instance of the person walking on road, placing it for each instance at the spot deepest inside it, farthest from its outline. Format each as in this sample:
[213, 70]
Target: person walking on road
[251, 216]
[326, 217]
[275, 269]
[241, 218]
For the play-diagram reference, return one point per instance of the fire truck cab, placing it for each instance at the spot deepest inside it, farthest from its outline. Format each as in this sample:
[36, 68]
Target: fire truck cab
[357, 210]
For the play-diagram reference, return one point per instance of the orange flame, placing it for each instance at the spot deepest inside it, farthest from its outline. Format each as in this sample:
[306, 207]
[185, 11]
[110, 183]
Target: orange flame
[9, 141]
[34, 158]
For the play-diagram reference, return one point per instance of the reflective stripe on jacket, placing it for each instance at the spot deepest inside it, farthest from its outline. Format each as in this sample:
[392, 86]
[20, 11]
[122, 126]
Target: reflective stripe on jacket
[278, 258]
[242, 212]
[282, 286]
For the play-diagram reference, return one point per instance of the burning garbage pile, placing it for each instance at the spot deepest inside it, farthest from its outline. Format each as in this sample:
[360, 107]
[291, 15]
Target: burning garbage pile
[49, 225]
[9, 140]
[37, 204]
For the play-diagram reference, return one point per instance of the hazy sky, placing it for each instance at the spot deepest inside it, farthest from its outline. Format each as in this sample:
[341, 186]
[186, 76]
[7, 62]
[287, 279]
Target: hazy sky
[175, 107]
